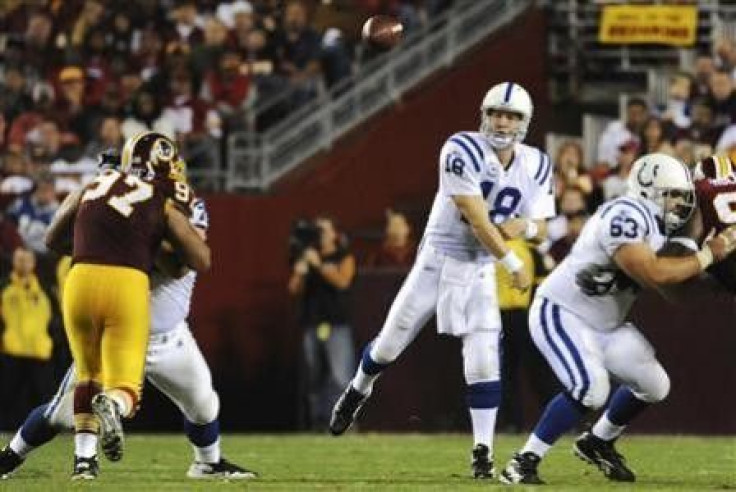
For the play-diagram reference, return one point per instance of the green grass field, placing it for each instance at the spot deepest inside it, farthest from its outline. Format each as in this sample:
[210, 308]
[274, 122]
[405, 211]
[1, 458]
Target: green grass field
[380, 461]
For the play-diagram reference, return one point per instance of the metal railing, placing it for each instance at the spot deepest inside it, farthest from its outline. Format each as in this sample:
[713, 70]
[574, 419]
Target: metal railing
[257, 160]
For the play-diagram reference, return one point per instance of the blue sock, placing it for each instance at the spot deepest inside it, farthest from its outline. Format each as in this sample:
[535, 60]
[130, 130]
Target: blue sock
[202, 435]
[484, 395]
[36, 430]
[561, 415]
[624, 406]
[368, 365]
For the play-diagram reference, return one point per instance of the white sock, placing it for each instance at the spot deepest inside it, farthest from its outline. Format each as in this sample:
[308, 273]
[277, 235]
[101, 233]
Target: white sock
[208, 454]
[364, 382]
[19, 446]
[121, 401]
[536, 445]
[607, 430]
[484, 424]
[85, 444]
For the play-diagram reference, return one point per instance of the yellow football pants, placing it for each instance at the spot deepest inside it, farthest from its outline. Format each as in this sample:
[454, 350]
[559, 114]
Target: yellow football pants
[107, 322]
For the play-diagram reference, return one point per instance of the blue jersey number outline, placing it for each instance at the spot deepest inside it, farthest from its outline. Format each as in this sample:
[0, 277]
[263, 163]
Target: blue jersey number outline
[505, 203]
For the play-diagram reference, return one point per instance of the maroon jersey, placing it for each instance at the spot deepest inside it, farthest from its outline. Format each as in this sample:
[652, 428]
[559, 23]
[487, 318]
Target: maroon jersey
[121, 221]
[717, 204]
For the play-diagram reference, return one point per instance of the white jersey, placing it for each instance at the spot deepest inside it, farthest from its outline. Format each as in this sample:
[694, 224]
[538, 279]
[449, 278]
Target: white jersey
[171, 298]
[469, 166]
[588, 282]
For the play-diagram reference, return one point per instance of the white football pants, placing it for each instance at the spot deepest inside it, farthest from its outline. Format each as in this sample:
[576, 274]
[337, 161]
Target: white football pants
[582, 357]
[175, 365]
[463, 294]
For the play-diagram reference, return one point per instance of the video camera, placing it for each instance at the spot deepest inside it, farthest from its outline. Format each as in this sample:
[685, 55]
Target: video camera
[304, 234]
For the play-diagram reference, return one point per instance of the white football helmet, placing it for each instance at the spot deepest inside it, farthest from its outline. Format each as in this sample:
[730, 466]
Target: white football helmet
[506, 96]
[666, 182]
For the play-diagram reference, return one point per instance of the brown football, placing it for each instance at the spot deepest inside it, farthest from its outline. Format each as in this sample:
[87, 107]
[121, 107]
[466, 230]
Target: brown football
[382, 31]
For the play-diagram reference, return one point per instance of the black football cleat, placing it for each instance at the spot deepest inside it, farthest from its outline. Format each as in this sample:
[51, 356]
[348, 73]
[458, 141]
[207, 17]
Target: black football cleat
[522, 469]
[9, 462]
[482, 463]
[221, 470]
[603, 454]
[346, 410]
[111, 427]
[85, 468]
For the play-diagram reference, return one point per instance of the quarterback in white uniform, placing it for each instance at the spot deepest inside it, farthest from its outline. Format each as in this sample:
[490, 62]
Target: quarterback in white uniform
[578, 316]
[174, 364]
[491, 187]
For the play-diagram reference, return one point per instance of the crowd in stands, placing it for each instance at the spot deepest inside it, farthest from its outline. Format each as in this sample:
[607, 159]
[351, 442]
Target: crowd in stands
[81, 76]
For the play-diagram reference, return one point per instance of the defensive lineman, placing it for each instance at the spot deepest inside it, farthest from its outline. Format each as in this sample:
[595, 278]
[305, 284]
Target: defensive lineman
[577, 319]
[487, 180]
[174, 364]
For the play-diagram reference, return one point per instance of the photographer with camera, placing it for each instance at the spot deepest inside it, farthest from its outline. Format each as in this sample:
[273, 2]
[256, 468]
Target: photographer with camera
[322, 274]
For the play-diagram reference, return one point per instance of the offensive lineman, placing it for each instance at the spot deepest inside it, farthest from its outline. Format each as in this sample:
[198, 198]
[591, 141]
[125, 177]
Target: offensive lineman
[174, 364]
[577, 317]
[487, 180]
[117, 223]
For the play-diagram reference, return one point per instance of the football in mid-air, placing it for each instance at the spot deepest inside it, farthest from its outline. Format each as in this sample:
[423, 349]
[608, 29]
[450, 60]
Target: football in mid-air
[382, 31]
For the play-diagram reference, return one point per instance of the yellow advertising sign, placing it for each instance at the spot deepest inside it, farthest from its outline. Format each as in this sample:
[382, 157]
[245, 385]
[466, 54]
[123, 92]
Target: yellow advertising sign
[675, 25]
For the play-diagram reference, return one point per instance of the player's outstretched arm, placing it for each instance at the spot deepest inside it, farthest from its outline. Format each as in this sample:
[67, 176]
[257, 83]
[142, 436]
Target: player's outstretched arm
[186, 241]
[642, 264]
[475, 211]
[60, 233]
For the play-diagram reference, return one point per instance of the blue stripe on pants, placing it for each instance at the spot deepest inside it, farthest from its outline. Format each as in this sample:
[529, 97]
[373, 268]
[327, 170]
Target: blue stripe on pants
[573, 350]
[553, 345]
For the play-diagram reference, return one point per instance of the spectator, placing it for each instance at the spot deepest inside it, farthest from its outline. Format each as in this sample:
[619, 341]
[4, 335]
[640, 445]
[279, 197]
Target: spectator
[89, 18]
[110, 136]
[146, 116]
[570, 168]
[298, 51]
[723, 98]
[45, 144]
[677, 111]
[27, 375]
[206, 55]
[653, 138]
[702, 129]
[571, 202]
[15, 98]
[33, 212]
[43, 99]
[72, 111]
[615, 184]
[10, 241]
[229, 89]
[704, 68]
[186, 23]
[148, 53]
[618, 132]
[321, 278]
[336, 63]
[575, 220]
[229, 13]
[398, 247]
[119, 39]
[684, 150]
[15, 176]
[34, 49]
[197, 125]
